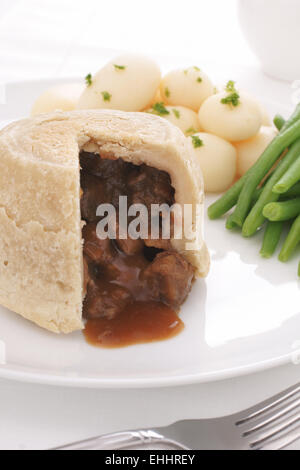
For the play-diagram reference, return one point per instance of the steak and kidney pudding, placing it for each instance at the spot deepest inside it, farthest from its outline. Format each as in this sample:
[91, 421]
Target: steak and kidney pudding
[134, 287]
[57, 269]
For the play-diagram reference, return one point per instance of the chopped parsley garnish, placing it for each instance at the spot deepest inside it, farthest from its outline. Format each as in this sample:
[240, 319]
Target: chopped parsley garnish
[176, 113]
[230, 87]
[186, 71]
[167, 92]
[119, 67]
[106, 96]
[233, 99]
[160, 109]
[197, 142]
[191, 130]
[89, 79]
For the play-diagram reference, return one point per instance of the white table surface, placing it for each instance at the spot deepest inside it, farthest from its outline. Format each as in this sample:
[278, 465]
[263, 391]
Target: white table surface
[41, 417]
[61, 38]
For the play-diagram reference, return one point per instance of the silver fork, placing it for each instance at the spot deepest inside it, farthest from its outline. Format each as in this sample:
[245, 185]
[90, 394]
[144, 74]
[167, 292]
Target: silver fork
[271, 425]
[276, 424]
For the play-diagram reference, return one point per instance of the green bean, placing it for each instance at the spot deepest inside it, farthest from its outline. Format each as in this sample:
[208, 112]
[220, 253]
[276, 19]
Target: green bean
[289, 179]
[256, 194]
[271, 239]
[230, 223]
[279, 121]
[285, 210]
[293, 118]
[230, 198]
[255, 218]
[293, 192]
[227, 201]
[291, 241]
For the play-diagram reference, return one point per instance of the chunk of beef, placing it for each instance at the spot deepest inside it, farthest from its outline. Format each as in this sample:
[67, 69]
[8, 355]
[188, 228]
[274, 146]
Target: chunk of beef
[113, 174]
[105, 301]
[150, 186]
[102, 181]
[93, 195]
[160, 244]
[97, 250]
[90, 162]
[170, 278]
[129, 246]
[113, 169]
[105, 168]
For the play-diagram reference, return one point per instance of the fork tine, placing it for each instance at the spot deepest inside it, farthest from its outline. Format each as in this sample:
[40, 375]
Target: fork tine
[283, 398]
[275, 431]
[275, 417]
[283, 441]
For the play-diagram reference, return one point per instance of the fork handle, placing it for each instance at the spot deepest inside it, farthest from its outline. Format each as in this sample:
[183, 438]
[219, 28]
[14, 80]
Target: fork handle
[120, 440]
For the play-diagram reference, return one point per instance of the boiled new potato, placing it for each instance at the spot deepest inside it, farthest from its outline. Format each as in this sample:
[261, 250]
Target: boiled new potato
[61, 97]
[249, 151]
[157, 98]
[265, 116]
[186, 87]
[217, 159]
[128, 82]
[184, 118]
[233, 123]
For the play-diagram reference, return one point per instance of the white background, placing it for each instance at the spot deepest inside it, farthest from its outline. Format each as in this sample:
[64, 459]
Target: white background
[63, 37]
[56, 38]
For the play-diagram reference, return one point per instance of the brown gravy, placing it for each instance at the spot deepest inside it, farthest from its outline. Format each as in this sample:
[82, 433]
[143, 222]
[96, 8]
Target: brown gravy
[140, 322]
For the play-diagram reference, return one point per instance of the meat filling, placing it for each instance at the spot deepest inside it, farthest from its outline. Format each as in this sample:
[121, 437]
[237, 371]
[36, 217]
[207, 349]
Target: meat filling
[120, 272]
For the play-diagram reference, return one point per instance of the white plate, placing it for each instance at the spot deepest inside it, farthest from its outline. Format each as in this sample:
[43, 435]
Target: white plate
[243, 318]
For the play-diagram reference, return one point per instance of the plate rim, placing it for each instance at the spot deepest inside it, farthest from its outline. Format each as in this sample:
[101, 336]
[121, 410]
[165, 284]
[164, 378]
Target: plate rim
[144, 382]
[149, 383]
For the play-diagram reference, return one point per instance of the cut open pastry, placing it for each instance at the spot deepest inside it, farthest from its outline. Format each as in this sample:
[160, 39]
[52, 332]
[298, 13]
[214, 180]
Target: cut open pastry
[55, 170]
